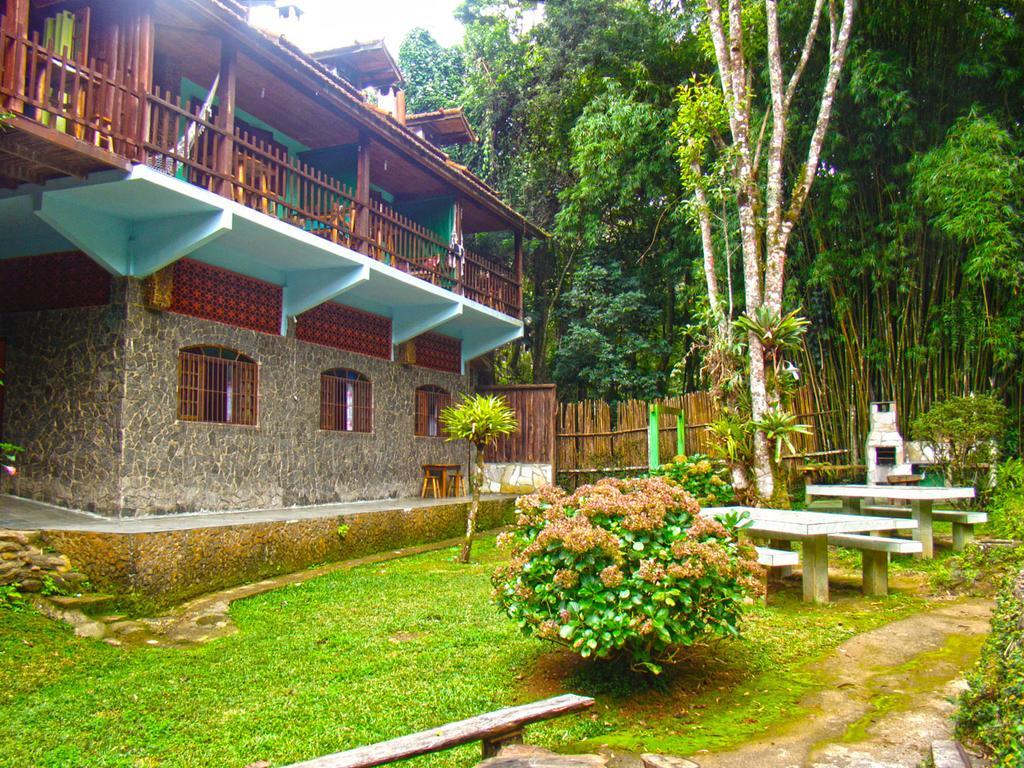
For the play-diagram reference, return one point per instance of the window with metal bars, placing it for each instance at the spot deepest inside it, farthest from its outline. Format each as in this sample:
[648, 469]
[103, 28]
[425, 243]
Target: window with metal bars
[430, 401]
[217, 385]
[346, 401]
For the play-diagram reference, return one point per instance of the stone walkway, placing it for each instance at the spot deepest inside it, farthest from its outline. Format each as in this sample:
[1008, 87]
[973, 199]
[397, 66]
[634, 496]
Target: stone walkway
[889, 695]
[25, 515]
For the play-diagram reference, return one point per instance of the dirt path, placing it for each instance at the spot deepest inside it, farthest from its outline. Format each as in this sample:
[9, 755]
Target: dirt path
[887, 700]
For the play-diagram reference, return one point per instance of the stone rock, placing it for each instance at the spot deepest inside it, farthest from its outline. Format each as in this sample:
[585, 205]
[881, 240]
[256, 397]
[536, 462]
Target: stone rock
[94, 630]
[666, 761]
[949, 754]
[30, 585]
[14, 536]
[126, 628]
[48, 562]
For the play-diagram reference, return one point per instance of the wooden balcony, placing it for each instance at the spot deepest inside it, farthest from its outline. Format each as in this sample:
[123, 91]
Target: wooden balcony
[70, 118]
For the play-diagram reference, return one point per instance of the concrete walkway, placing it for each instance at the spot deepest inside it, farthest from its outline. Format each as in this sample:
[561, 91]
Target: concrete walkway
[26, 515]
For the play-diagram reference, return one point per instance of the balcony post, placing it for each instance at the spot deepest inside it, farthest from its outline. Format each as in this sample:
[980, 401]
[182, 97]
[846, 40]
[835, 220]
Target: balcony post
[363, 193]
[16, 16]
[147, 53]
[226, 117]
[519, 269]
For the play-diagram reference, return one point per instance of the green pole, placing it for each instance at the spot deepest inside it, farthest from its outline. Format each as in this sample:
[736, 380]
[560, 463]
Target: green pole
[652, 438]
[680, 433]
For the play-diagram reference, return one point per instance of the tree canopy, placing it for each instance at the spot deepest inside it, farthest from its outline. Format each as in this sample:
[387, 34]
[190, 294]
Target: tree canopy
[906, 259]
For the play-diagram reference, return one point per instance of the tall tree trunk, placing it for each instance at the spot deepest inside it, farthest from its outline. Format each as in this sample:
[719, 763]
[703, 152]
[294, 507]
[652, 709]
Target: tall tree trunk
[474, 506]
[764, 248]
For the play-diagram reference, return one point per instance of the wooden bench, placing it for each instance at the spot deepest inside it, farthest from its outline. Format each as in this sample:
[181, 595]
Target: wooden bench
[963, 520]
[875, 551]
[494, 729]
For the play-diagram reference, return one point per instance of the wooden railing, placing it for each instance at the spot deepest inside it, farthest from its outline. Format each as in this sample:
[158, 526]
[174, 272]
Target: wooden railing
[157, 128]
[492, 284]
[80, 99]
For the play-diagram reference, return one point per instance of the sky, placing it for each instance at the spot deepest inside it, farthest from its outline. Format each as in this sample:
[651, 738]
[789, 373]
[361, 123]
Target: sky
[333, 23]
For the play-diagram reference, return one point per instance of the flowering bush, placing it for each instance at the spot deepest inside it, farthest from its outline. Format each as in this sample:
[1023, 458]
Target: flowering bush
[700, 477]
[624, 567]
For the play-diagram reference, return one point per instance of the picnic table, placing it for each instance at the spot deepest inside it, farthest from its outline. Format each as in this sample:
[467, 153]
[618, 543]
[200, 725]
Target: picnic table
[812, 529]
[922, 501]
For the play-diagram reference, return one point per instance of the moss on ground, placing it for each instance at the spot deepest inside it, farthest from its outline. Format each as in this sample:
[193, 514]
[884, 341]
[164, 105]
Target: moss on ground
[958, 654]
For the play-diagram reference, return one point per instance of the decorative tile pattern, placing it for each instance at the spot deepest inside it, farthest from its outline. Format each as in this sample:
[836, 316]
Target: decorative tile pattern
[441, 353]
[53, 281]
[216, 294]
[341, 327]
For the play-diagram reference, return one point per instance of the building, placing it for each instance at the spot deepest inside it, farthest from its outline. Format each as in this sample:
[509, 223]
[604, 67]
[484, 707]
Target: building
[227, 280]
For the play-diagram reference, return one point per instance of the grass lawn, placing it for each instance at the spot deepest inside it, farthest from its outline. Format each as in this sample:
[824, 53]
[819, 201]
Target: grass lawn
[379, 651]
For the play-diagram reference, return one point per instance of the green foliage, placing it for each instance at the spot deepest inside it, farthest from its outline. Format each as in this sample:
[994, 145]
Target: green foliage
[435, 75]
[980, 569]
[8, 456]
[1006, 512]
[991, 713]
[479, 419]
[11, 599]
[779, 427]
[973, 187]
[624, 569]
[609, 348]
[964, 433]
[698, 476]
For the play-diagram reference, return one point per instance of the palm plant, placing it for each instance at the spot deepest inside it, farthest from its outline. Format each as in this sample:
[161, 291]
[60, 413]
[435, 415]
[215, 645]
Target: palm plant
[779, 427]
[780, 336]
[480, 420]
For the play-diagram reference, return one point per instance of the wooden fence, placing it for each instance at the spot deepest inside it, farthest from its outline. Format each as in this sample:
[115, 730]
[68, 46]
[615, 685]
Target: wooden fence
[596, 438]
[591, 438]
[536, 409]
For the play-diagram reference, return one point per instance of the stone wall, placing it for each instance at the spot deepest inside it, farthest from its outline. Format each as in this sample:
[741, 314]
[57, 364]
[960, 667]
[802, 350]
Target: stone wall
[91, 395]
[25, 565]
[64, 383]
[287, 460]
[516, 478]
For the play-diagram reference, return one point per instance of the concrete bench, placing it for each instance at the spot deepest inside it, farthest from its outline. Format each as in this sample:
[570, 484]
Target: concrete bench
[494, 729]
[777, 558]
[875, 551]
[963, 520]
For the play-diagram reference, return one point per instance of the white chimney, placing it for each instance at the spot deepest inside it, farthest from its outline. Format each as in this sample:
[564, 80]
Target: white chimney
[275, 17]
[885, 450]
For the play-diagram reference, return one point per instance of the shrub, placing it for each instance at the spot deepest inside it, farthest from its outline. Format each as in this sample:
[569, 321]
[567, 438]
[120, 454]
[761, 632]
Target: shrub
[991, 713]
[624, 568]
[1007, 509]
[964, 433]
[699, 477]
[980, 569]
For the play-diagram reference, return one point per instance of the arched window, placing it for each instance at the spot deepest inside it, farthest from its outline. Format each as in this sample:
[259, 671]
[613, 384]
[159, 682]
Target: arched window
[217, 385]
[430, 401]
[346, 401]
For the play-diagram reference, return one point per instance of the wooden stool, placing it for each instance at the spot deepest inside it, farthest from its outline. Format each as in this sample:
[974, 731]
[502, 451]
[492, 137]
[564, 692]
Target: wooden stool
[458, 484]
[430, 482]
